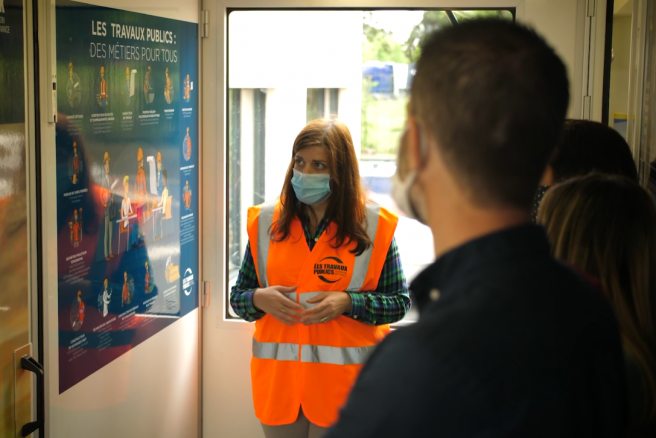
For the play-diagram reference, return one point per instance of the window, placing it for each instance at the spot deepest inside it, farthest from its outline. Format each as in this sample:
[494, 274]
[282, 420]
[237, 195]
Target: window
[279, 83]
[246, 165]
[322, 102]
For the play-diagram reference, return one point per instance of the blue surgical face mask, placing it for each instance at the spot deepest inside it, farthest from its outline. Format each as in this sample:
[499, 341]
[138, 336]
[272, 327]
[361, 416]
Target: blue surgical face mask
[311, 189]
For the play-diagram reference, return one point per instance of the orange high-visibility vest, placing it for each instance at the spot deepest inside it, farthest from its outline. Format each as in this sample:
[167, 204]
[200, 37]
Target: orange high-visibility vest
[314, 366]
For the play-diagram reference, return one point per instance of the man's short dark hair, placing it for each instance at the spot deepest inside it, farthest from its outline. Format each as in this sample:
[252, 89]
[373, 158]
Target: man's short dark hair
[587, 146]
[494, 95]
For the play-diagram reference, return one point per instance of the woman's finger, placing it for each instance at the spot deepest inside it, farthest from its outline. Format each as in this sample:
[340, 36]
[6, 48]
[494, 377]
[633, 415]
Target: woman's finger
[318, 298]
[314, 310]
[316, 318]
[286, 289]
[286, 319]
[290, 315]
[293, 305]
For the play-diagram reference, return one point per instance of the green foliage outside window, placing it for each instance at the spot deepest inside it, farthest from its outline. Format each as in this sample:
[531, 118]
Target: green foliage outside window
[383, 117]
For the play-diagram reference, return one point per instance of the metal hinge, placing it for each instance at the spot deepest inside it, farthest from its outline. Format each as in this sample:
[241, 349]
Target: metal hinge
[205, 24]
[587, 108]
[592, 8]
[53, 107]
[206, 294]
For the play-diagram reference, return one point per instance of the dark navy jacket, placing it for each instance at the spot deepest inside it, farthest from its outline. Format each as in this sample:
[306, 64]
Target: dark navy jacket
[510, 343]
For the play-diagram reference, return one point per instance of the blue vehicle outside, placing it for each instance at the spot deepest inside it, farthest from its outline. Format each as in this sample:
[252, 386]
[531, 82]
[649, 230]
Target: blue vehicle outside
[382, 76]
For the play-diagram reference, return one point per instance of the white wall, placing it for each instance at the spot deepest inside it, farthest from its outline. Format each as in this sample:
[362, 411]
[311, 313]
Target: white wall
[559, 21]
[297, 48]
[227, 400]
[153, 390]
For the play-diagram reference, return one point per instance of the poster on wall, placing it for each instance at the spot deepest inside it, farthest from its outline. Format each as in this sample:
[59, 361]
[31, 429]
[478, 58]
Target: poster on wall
[127, 181]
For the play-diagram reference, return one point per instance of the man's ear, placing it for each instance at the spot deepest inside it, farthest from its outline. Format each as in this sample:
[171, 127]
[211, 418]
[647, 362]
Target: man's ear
[413, 143]
[547, 176]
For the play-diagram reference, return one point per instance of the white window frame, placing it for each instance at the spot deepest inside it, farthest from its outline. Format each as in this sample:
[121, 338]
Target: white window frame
[215, 103]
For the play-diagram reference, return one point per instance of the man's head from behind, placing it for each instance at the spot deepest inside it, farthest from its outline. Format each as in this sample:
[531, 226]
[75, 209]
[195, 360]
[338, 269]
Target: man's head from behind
[491, 97]
[586, 147]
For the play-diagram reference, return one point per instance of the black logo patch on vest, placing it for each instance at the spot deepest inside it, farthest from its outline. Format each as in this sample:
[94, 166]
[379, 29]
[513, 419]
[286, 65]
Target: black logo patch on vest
[330, 270]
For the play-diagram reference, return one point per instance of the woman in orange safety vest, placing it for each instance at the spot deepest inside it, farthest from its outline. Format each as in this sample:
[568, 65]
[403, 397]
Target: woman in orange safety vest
[322, 279]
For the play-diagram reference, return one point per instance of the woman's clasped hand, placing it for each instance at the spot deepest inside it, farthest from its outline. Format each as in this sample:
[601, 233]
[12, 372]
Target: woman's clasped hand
[329, 305]
[271, 301]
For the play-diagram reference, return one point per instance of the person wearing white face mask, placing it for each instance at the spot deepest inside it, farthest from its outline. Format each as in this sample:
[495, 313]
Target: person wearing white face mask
[404, 188]
[509, 342]
[322, 279]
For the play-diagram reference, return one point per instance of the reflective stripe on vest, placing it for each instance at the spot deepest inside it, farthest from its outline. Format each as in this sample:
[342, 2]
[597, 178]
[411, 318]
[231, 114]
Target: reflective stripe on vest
[361, 262]
[335, 355]
[312, 353]
[274, 350]
[263, 240]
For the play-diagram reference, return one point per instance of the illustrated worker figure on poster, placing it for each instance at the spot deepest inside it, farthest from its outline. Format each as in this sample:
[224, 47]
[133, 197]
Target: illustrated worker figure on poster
[126, 296]
[75, 165]
[148, 90]
[78, 311]
[127, 85]
[160, 185]
[186, 196]
[76, 229]
[102, 95]
[187, 89]
[186, 146]
[164, 196]
[168, 89]
[147, 285]
[141, 196]
[106, 298]
[110, 209]
[126, 211]
[73, 87]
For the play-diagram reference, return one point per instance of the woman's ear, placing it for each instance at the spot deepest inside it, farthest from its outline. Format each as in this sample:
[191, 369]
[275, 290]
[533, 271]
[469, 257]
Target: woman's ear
[547, 176]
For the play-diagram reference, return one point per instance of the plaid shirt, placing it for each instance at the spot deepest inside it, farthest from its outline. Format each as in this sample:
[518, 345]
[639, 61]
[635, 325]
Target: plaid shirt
[387, 304]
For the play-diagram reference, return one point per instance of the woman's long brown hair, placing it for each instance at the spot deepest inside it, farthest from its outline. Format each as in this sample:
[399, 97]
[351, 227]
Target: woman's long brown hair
[606, 226]
[346, 204]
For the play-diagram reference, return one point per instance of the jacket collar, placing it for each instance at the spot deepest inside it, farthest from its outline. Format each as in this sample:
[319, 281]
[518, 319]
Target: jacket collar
[461, 263]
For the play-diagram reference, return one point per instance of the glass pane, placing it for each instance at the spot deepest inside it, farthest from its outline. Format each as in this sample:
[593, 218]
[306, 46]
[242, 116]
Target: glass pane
[363, 75]
[619, 68]
[259, 172]
[316, 100]
[234, 176]
[647, 143]
[334, 102]
[15, 400]
[468, 15]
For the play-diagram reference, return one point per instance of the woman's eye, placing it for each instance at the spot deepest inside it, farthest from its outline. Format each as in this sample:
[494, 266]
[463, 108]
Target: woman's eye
[299, 162]
[320, 166]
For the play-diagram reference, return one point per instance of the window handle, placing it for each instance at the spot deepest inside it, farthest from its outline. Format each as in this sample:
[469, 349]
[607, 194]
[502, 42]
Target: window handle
[30, 364]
